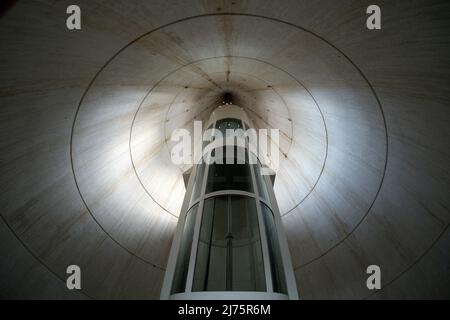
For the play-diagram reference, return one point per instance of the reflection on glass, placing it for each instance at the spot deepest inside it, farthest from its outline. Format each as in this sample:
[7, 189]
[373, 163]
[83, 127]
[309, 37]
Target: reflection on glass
[198, 181]
[276, 262]
[247, 261]
[207, 136]
[233, 174]
[229, 256]
[228, 124]
[261, 183]
[181, 268]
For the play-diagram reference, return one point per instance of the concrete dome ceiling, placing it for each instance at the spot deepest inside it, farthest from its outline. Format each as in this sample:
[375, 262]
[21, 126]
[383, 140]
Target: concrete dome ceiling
[86, 169]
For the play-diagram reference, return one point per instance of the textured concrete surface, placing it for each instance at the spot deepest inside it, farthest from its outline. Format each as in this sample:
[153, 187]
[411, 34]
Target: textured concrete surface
[86, 119]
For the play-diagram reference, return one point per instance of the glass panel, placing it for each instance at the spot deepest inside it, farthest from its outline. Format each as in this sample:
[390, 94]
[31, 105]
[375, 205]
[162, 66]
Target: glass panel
[247, 265]
[210, 269]
[182, 266]
[201, 264]
[197, 188]
[229, 255]
[207, 137]
[216, 280]
[231, 176]
[229, 123]
[276, 262]
[261, 183]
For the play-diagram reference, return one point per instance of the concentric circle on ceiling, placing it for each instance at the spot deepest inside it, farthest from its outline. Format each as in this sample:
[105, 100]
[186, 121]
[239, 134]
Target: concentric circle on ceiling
[308, 89]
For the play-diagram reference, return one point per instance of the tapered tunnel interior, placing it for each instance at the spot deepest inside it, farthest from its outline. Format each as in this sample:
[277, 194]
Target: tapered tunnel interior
[87, 118]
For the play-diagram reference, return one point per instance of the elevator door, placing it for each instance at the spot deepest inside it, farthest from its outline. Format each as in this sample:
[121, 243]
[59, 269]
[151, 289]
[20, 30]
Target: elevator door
[229, 255]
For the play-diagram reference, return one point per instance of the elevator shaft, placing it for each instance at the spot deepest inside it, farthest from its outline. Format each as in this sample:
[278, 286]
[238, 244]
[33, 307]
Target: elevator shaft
[229, 242]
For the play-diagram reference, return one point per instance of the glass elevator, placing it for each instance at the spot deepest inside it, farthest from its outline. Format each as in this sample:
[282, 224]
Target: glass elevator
[229, 242]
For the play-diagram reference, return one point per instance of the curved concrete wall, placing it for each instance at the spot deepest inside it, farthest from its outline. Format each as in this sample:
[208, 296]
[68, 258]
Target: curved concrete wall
[86, 176]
